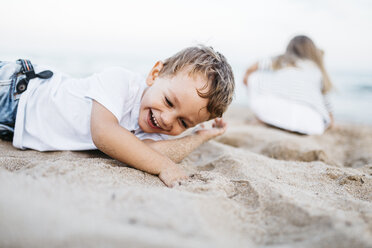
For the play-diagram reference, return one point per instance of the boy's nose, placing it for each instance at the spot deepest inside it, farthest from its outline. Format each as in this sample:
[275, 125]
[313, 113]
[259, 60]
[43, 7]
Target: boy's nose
[168, 119]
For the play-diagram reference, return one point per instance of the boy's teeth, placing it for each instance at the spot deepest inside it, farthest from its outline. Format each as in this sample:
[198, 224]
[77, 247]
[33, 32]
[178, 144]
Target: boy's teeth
[153, 118]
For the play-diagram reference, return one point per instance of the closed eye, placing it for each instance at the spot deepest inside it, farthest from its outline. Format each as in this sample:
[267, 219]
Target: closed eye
[184, 124]
[170, 104]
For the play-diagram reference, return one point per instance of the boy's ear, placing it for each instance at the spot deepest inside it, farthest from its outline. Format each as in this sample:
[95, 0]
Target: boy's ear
[154, 73]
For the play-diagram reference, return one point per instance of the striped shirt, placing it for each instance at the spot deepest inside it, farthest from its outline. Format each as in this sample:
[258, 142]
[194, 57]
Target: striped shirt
[301, 84]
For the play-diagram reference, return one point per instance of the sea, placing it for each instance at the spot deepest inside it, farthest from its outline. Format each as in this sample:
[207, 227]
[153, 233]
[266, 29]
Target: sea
[351, 99]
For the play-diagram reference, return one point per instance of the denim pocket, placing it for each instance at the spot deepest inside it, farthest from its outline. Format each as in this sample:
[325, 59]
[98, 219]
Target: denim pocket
[8, 104]
[7, 110]
[5, 90]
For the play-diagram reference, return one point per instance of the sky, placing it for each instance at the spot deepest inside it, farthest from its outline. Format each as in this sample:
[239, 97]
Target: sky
[145, 30]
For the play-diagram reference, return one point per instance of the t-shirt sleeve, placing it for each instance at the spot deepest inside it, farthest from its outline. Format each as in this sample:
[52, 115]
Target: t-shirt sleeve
[265, 64]
[111, 88]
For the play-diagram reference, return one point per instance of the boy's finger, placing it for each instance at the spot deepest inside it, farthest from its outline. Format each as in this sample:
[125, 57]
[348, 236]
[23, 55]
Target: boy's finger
[221, 124]
[179, 181]
[168, 184]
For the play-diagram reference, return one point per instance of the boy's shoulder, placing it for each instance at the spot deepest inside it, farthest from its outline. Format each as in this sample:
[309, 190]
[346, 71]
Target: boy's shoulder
[117, 75]
[121, 72]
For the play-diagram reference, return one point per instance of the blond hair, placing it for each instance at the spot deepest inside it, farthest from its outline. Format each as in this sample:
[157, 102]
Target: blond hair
[214, 67]
[302, 47]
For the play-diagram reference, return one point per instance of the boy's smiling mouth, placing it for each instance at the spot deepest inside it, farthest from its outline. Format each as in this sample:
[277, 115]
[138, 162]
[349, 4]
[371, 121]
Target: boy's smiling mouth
[152, 121]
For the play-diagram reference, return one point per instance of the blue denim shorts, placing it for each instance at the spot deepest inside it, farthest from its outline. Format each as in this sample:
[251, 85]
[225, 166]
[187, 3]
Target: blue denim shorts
[9, 76]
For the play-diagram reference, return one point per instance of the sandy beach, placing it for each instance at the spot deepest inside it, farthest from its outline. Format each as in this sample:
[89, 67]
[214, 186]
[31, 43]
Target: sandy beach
[255, 186]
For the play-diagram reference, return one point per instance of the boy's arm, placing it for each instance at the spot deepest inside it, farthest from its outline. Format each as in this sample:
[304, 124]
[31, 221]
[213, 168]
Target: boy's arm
[120, 144]
[178, 149]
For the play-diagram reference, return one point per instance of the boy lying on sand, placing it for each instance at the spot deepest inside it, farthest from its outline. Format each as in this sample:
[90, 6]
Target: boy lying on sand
[123, 115]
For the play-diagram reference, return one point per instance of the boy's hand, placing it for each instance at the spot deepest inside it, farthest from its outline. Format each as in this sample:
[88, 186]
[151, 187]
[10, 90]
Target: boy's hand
[172, 175]
[218, 128]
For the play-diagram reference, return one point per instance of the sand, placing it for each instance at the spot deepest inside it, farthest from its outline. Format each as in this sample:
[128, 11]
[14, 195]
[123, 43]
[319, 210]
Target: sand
[255, 186]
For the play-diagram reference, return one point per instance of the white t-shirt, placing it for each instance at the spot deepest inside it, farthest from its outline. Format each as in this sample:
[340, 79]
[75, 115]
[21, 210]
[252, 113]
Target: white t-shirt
[301, 85]
[54, 114]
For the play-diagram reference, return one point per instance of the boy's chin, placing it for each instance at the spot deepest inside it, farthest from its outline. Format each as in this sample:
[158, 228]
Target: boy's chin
[145, 127]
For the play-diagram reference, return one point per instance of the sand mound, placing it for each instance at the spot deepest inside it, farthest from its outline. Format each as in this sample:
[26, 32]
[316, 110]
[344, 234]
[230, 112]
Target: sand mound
[253, 187]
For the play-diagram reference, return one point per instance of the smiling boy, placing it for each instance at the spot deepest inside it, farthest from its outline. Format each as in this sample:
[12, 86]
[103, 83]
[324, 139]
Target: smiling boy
[124, 116]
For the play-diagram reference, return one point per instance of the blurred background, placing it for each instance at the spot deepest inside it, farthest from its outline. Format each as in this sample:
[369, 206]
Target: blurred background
[83, 37]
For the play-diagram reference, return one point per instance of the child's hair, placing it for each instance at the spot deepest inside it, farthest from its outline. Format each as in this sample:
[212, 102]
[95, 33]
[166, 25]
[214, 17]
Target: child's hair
[214, 67]
[302, 47]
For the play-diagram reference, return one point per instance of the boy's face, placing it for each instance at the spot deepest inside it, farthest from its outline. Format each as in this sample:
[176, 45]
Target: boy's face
[170, 105]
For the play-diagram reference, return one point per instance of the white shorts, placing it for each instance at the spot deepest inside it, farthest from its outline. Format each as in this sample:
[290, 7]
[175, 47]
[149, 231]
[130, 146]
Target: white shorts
[287, 114]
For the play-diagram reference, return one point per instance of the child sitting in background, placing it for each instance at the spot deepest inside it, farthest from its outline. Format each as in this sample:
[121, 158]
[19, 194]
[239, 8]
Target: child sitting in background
[118, 112]
[288, 91]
